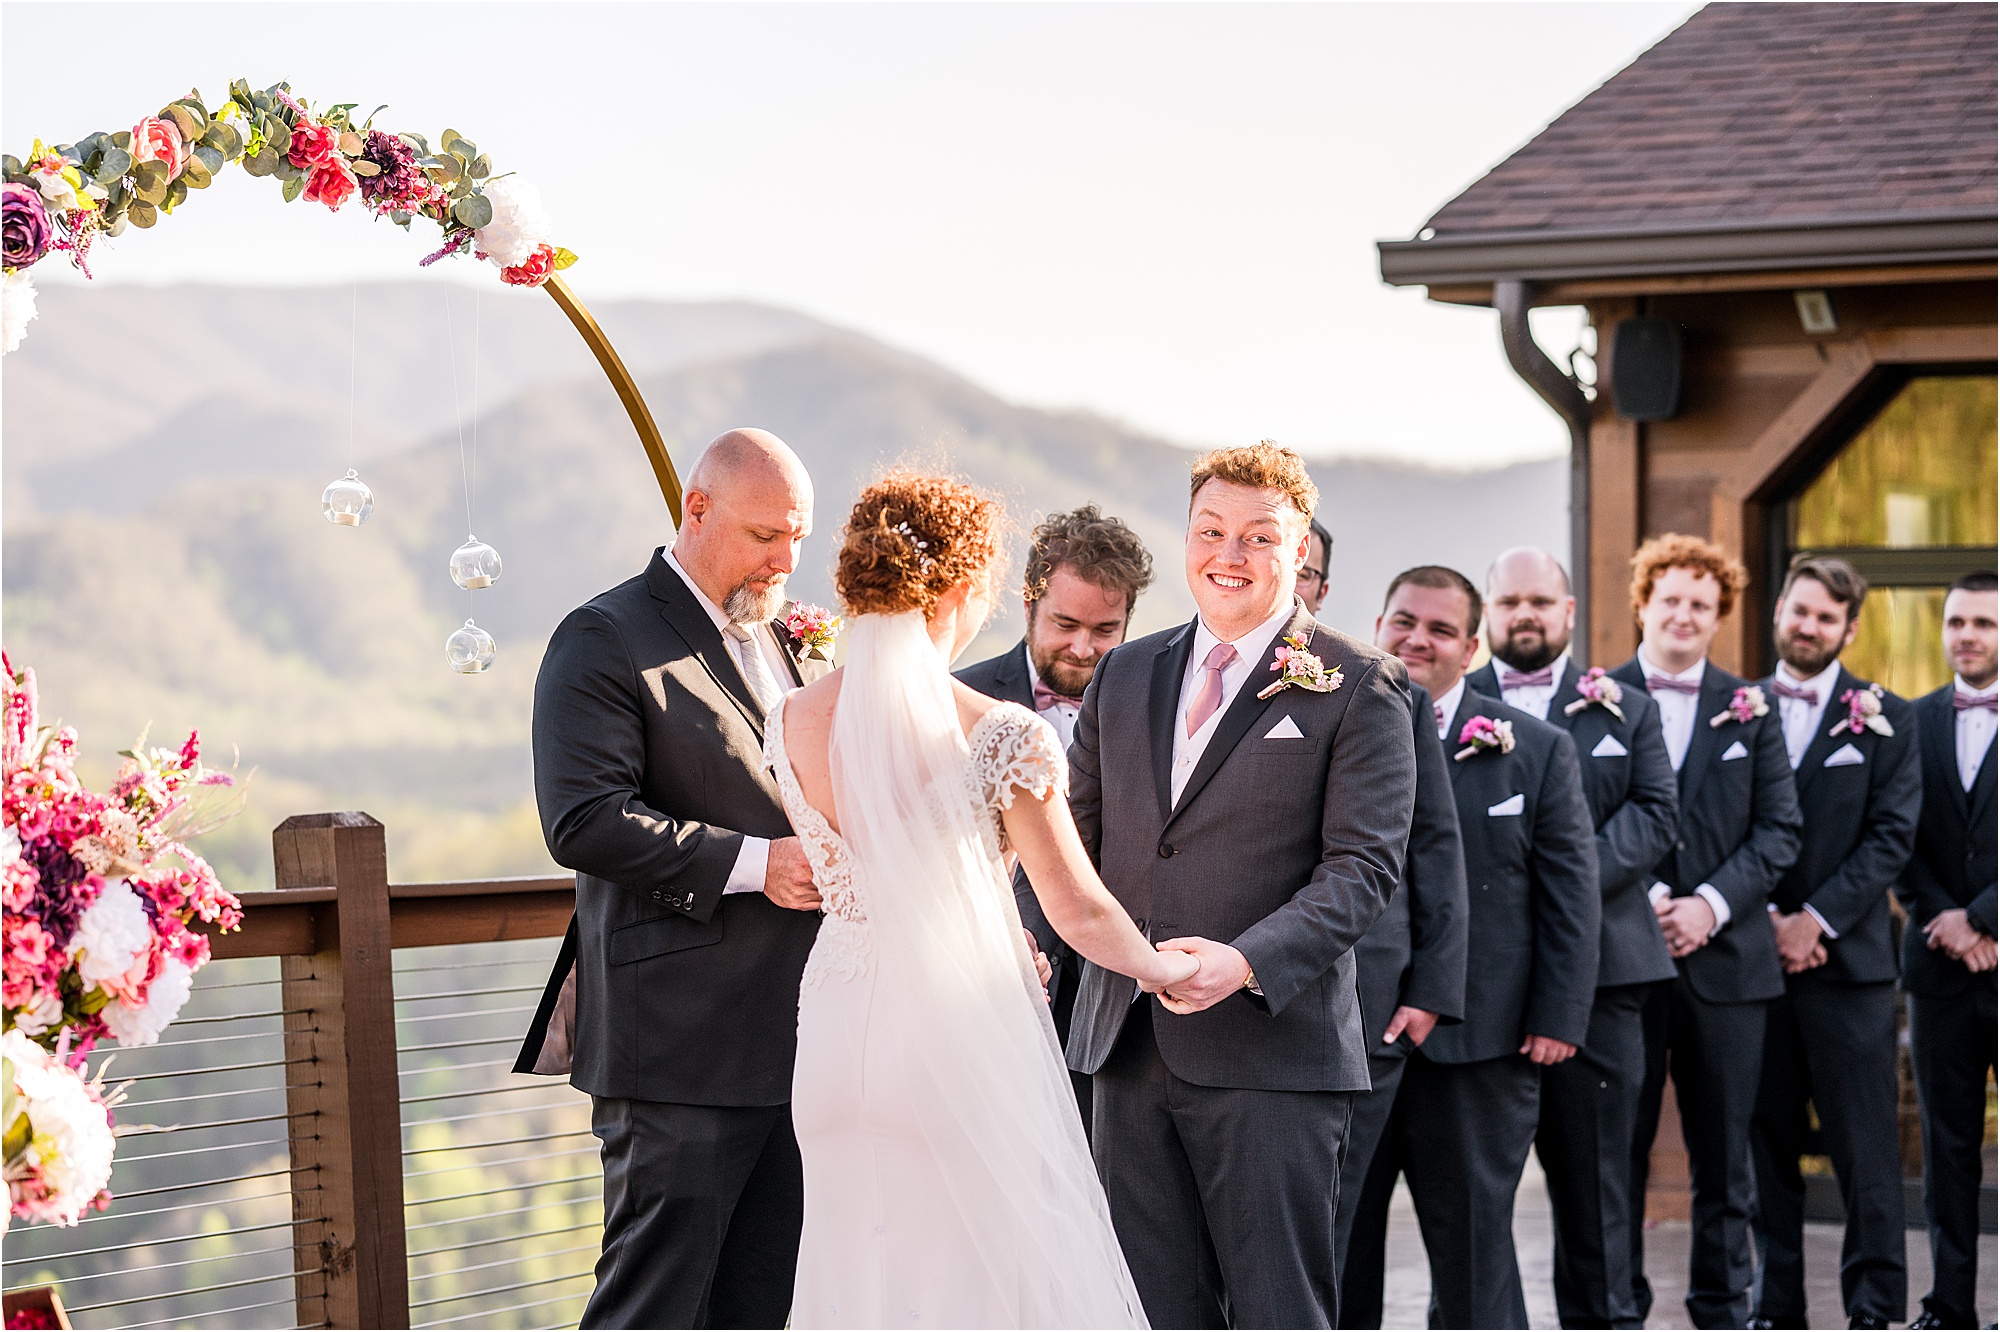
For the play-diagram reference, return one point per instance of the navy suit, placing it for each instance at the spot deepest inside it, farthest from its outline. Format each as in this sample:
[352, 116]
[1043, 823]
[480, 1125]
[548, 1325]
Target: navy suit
[1831, 1039]
[1591, 1103]
[1738, 832]
[1952, 1018]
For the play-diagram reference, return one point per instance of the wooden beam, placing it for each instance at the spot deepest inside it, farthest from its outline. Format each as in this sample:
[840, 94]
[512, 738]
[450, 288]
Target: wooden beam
[1616, 499]
[1942, 344]
[1848, 366]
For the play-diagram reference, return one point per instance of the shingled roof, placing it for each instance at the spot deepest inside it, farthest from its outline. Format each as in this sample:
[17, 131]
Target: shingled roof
[1755, 135]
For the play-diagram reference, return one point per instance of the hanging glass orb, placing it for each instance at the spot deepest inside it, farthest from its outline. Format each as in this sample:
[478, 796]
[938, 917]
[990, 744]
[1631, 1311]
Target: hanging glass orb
[348, 501]
[475, 564]
[469, 649]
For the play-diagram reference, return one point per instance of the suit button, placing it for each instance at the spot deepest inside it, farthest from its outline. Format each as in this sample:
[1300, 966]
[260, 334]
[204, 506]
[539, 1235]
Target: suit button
[1680, 846]
[659, 896]
[1166, 851]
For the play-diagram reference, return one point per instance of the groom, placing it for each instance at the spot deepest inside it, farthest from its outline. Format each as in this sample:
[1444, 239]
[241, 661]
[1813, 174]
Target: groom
[1264, 832]
[695, 907]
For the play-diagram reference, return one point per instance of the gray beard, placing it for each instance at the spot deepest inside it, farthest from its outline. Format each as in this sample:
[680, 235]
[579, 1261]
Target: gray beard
[744, 606]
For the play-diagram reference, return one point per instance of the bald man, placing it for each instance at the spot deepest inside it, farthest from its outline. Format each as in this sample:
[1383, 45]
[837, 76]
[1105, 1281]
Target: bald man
[1590, 1104]
[674, 1001]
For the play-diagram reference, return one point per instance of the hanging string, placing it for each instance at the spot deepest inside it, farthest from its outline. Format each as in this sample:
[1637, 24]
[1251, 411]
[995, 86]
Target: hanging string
[475, 407]
[353, 354]
[458, 411]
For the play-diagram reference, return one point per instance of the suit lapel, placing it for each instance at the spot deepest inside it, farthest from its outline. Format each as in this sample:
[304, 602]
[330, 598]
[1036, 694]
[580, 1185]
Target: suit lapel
[1937, 739]
[1821, 744]
[1485, 680]
[791, 651]
[687, 617]
[1707, 739]
[1470, 704]
[1162, 702]
[1243, 710]
[1564, 696]
[1013, 677]
[1979, 804]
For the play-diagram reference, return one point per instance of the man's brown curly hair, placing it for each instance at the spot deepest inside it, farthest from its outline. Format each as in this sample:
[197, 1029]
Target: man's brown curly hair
[910, 537]
[1096, 549]
[1674, 550]
[1266, 465]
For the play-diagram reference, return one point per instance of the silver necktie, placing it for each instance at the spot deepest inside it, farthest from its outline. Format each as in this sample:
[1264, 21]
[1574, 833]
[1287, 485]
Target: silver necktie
[756, 672]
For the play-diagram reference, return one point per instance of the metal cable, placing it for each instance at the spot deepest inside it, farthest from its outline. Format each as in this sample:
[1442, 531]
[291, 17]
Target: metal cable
[161, 1267]
[221, 1147]
[504, 1188]
[159, 1211]
[199, 1290]
[210, 1183]
[217, 1313]
[456, 1068]
[472, 1013]
[497, 1142]
[487, 1216]
[514, 1039]
[478, 1091]
[491, 1114]
[470, 994]
[176, 1239]
[219, 1068]
[149, 1130]
[409, 1175]
[240, 1017]
[128, 1107]
[500, 1262]
[496, 1290]
[504, 1239]
[505, 1308]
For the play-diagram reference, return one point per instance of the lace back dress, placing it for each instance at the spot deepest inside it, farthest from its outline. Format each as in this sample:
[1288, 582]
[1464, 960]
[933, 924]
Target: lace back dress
[890, 1238]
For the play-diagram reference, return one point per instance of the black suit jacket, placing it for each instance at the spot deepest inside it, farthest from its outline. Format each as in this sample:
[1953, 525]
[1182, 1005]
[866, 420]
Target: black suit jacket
[1860, 823]
[1738, 832]
[1953, 863]
[1629, 781]
[1531, 878]
[1415, 953]
[1003, 677]
[1286, 847]
[649, 772]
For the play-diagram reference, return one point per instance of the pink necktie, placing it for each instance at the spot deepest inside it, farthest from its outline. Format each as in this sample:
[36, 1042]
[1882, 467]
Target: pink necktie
[1809, 697]
[1512, 679]
[1963, 702]
[1208, 693]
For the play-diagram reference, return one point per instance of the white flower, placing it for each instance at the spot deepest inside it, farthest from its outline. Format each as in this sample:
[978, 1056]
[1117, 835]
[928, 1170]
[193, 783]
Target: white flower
[70, 1140]
[519, 225]
[10, 845]
[164, 998]
[46, 1012]
[17, 307]
[112, 936]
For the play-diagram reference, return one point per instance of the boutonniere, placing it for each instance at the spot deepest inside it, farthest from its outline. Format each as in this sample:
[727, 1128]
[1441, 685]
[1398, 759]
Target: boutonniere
[1745, 705]
[1485, 733]
[1597, 687]
[1296, 666]
[813, 628]
[1864, 712]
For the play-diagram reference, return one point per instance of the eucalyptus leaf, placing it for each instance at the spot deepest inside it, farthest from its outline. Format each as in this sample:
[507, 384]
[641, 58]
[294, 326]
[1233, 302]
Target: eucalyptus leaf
[141, 214]
[261, 164]
[177, 193]
[286, 170]
[117, 196]
[239, 89]
[294, 188]
[116, 164]
[211, 158]
[364, 167]
[446, 139]
[278, 135]
[474, 210]
[449, 169]
[198, 174]
[90, 143]
[11, 166]
[372, 114]
[123, 139]
[418, 143]
[185, 122]
[149, 181]
[482, 167]
[351, 144]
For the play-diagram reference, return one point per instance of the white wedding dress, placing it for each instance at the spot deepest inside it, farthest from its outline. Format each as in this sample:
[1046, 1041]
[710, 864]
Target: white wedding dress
[947, 1180]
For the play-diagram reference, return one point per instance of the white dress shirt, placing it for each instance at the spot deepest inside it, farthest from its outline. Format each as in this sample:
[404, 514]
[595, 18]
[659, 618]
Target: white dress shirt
[1060, 715]
[1250, 650]
[753, 858]
[1678, 714]
[1975, 732]
[1531, 699]
[1445, 708]
[1801, 719]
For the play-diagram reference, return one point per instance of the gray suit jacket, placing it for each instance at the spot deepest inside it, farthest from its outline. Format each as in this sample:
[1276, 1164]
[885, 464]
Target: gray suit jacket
[1003, 677]
[1286, 848]
[649, 772]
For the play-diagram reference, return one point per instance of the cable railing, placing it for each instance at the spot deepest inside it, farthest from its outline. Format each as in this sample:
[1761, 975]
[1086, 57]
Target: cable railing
[331, 1135]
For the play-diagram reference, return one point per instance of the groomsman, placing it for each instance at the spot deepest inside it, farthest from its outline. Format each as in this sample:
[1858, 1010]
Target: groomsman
[1085, 573]
[1313, 573]
[1472, 1092]
[1831, 1039]
[1947, 889]
[1590, 1103]
[1410, 973]
[1738, 832]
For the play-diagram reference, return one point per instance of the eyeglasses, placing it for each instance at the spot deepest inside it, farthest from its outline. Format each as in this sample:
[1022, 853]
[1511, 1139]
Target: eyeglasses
[1315, 575]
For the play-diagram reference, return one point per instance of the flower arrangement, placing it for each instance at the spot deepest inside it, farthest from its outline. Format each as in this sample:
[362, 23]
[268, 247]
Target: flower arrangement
[65, 197]
[1745, 705]
[1597, 686]
[59, 1138]
[1484, 733]
[1864, 712]
[1296, 666]
[813, 628]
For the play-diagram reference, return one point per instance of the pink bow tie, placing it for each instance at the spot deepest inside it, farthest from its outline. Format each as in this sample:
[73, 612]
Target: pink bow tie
[1512, 679]
[1655, 683]
[1046, 698]
[1809, 697]
[1963, 702]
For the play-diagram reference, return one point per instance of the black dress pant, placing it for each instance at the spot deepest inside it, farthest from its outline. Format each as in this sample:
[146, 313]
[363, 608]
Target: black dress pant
[1834, 1045]
[1469, 1129]
[1590, 1105]
[1367, 1184]
[1716, 1052]
[1222, 1197]
[703, 1206]
[1951, 1045]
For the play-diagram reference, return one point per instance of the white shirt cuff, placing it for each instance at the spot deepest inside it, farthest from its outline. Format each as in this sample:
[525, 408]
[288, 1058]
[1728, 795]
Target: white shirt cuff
[753, 858]
[1658, 893]
[1717, 904]
[1824, 928]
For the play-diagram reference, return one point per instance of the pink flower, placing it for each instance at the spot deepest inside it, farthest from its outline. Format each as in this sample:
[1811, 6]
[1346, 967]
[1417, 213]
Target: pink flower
[1597, 686]
[313, 146]
[1482, 733]
[156, 140]
[532, 271]
[331, 185]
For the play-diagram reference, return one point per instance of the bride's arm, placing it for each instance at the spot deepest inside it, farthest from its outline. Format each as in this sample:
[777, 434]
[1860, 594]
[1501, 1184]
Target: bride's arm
[1078, 905]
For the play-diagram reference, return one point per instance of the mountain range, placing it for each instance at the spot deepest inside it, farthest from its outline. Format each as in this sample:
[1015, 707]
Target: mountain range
[165, 560]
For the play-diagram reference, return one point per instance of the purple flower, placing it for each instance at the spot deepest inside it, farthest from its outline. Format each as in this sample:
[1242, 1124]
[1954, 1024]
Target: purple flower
[25, 233]
[401, 183]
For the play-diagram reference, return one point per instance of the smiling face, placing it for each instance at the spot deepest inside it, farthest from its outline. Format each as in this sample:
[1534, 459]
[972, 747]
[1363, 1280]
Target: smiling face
[1812, 628]
[1430, 630]
[1530, 613]
[1071, 628]
[1972, 635]
[1679, 620]
[1244, 547]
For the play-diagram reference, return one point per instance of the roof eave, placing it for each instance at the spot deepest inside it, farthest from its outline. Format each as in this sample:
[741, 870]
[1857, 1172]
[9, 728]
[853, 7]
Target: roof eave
[1547, 255]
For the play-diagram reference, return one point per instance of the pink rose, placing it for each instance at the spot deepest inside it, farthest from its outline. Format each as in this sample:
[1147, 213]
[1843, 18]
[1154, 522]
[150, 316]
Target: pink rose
[156, 140]
[332, 186]
[314, 146]
[532, 271]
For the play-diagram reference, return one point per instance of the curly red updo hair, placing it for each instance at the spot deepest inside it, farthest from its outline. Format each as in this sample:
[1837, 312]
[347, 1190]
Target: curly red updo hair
[910, 538]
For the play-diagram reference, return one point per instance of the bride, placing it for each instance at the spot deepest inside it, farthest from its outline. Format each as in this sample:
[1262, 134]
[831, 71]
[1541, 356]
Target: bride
[947, 1181]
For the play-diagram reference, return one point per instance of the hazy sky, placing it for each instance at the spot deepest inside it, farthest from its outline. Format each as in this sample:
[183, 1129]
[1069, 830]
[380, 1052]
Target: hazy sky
[1162, 213]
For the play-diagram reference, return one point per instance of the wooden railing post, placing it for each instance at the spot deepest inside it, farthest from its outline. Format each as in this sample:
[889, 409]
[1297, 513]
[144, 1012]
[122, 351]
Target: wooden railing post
[347, 1138]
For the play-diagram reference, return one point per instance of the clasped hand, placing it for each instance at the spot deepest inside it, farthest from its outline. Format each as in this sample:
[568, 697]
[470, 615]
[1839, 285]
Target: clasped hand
[1954, 933]
[1218, 972]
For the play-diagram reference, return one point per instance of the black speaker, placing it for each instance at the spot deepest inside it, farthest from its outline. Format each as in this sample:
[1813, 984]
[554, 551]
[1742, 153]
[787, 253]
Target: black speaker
[1646, 369]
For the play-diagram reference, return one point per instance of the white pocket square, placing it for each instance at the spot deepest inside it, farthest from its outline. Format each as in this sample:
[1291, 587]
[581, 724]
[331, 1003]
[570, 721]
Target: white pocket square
[1513, 804]
[1735, 751]
[1844, 757]
[1285, 730]
[1608, 747]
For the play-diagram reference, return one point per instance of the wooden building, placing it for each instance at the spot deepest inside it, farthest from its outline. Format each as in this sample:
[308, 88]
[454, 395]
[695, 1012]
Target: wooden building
[1781, 218]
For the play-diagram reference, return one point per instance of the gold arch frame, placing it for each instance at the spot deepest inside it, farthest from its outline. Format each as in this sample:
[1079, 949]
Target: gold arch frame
[628, 392]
